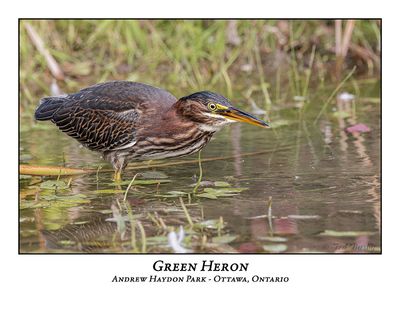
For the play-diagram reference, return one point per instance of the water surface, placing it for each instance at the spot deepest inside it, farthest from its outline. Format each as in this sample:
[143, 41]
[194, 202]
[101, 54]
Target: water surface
[303, 186]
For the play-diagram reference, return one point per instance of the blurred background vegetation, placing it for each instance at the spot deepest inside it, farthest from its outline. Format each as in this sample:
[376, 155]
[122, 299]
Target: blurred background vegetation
[271, 60]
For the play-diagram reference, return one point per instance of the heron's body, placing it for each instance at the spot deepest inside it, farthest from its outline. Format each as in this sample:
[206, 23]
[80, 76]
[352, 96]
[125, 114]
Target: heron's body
[132, 121]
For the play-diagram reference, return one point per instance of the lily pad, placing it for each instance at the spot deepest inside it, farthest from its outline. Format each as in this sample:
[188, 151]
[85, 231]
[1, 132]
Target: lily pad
[172, 194]
[272, 238]
[204, 183]
[214, 193]
[75, 197]
[275, 248]
[150, 181]
[221, 184]
[54, 185]
[224, 239]
[142, 182]
[56, 201]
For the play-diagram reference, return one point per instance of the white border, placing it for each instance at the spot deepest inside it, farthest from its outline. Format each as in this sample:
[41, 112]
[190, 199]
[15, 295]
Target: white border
[315, 281]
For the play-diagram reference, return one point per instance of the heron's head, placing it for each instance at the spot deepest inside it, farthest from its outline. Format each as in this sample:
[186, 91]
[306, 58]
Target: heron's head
[211, 111]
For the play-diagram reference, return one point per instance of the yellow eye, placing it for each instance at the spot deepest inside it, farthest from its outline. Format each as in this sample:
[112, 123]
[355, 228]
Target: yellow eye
[212, 107]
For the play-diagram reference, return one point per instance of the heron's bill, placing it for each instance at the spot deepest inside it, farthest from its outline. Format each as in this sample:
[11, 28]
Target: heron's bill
[238, 115]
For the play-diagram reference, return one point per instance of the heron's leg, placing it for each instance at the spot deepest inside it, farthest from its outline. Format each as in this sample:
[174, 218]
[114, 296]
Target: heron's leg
[118, 162]
[117, 175]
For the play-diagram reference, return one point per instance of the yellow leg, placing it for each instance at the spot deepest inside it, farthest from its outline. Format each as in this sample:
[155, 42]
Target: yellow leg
[117, 175]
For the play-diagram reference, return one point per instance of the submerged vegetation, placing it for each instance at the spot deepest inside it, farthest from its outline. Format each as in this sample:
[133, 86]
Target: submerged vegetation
[314, 80]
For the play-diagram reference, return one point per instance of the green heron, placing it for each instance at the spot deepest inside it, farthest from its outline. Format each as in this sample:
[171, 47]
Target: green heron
[132, 121]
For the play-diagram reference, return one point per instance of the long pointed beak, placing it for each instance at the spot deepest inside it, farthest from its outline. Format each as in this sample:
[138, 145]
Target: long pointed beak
[238, 115]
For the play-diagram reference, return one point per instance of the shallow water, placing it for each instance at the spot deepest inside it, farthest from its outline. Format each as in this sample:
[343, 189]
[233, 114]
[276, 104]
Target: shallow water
[304, 187]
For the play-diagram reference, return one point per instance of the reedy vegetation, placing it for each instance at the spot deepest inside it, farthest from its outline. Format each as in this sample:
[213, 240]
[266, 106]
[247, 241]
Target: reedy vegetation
[273, 61]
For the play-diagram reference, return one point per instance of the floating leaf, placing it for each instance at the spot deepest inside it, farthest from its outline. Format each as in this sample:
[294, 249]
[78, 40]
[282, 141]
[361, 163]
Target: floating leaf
[171, 194]
[207, 195]
[150, 181]
[214, 193]
[224, 191]
[219, 248]
[154, 175]
[177, 192]
[275, 248]
[74, 197]
[56, 201]
[204, 183]
[224, 239]
[221, 184]
[142, 182]
[346, 233]
[272, 238]
[54, 185]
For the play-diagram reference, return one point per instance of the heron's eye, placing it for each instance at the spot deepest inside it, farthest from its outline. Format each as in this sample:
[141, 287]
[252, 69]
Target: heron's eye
[212, 107]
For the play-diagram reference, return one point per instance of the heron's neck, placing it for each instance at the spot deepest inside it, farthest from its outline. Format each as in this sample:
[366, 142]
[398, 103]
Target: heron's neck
[174, 136]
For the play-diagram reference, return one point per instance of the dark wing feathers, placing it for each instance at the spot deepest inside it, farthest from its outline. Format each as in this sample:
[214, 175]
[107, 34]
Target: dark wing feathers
[104, 116]
[96, 129]
[120, 96]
